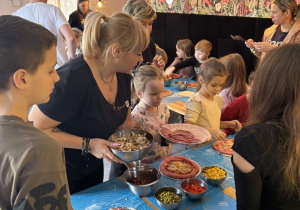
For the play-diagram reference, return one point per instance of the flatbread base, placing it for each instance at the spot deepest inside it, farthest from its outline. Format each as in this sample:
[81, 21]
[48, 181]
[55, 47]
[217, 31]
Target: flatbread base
[195, 172]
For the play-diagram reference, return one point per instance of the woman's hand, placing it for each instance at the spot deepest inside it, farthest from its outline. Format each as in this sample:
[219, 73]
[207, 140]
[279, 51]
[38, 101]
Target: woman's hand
[249, 43]
[99, 148]
[217, 134]
[236, 125]
[159, 62]
[169, 71]
[263, 46]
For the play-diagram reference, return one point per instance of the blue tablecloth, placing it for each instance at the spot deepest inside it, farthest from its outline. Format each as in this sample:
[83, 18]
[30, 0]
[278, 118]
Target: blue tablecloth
[174, 97]
[214, 198]
[114, 193]
[110, 194]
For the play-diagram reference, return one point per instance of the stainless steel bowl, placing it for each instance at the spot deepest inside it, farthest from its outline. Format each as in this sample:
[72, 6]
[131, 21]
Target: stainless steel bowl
[213, 181]
[142, 172]
[195, 181]
[165, 205]
[168, 81]
[134, 155]
[181, 85]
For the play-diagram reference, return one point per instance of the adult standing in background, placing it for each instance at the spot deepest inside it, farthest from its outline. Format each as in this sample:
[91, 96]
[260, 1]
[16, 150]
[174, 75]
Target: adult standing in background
[77, 18]
[52, 18]
[92, 99]
[145, 14]
[286, 28]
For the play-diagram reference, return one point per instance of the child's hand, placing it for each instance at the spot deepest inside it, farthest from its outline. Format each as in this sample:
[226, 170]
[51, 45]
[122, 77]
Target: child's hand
[217, 134]
[169, 71]
[236, 125]
[159, 62]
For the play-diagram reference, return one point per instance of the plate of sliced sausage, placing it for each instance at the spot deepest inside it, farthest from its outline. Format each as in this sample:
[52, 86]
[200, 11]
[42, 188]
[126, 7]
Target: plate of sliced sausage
[184, 133]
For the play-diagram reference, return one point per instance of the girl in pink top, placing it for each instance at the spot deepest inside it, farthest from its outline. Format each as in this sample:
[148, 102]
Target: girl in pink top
[235, 84]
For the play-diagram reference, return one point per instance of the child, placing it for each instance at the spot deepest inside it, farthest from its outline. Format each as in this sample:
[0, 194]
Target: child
[78, 36]
[238, 109]
[204, 108]
[33, 174]
[184, 50]
[235, 84]
[202, 51]
[150, 113]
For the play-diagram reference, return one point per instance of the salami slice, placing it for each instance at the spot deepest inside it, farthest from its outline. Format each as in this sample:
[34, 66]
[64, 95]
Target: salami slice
[178, 167]
[224, 147]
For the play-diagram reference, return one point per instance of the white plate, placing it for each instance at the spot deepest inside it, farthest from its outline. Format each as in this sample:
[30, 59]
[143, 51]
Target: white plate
[200, 133]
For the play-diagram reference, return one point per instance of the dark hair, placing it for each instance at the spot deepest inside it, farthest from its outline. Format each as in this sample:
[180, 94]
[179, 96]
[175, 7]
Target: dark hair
[22, 46]
[275, 99]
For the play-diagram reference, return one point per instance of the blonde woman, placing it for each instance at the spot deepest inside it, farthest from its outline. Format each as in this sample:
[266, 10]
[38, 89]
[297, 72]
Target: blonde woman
[286, 28]
[92, 99]
[145, 14]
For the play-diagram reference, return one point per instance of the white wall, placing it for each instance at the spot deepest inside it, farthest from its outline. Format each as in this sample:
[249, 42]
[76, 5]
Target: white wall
[111, 6]
[9, 6]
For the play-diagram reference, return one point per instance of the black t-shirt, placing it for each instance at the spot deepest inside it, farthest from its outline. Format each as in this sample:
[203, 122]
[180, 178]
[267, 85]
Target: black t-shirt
[78, 103]
[76, 20]
[278, 37]
[260, 145]
[192, 61]
[149, 53]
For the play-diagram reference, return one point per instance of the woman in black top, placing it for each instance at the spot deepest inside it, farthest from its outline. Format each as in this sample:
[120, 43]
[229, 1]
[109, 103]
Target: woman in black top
[266, 158]
[145, 14]
[77, 18]
[92, 98]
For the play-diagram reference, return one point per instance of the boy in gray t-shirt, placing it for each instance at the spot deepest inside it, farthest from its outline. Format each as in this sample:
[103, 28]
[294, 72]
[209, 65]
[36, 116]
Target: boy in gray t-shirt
[32, 166]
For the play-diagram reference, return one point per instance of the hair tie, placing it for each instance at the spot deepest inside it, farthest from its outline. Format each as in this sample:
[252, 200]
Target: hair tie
[105, 18]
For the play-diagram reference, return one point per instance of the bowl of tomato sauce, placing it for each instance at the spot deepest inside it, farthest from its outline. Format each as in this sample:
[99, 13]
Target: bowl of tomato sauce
[193, 188]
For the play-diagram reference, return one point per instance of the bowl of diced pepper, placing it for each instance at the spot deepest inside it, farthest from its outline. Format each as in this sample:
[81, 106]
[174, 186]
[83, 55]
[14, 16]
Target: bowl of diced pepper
[168, 197]
[193, 188]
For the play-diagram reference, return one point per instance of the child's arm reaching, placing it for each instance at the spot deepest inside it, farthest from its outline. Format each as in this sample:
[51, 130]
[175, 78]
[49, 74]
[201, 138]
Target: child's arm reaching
[235, 124]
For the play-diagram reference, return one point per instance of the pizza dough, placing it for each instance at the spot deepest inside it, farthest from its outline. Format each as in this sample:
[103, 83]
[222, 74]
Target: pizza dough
[167, 92]
[224, 147]
[178, 167]
[193, 85]
[186, 93]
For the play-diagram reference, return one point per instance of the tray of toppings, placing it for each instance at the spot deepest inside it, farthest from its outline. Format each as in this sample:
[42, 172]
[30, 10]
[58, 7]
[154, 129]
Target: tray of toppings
[134, 144]
[179, 168]
[224, 147]
[184, 133]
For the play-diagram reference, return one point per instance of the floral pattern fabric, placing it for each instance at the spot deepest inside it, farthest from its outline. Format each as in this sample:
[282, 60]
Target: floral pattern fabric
[241, 8]
[151, 122]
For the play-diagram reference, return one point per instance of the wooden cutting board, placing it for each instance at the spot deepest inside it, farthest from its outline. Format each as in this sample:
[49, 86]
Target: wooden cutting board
[178, 106]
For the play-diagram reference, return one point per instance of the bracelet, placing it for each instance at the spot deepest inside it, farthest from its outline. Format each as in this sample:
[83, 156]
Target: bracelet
[85, 149]
[252, 50]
